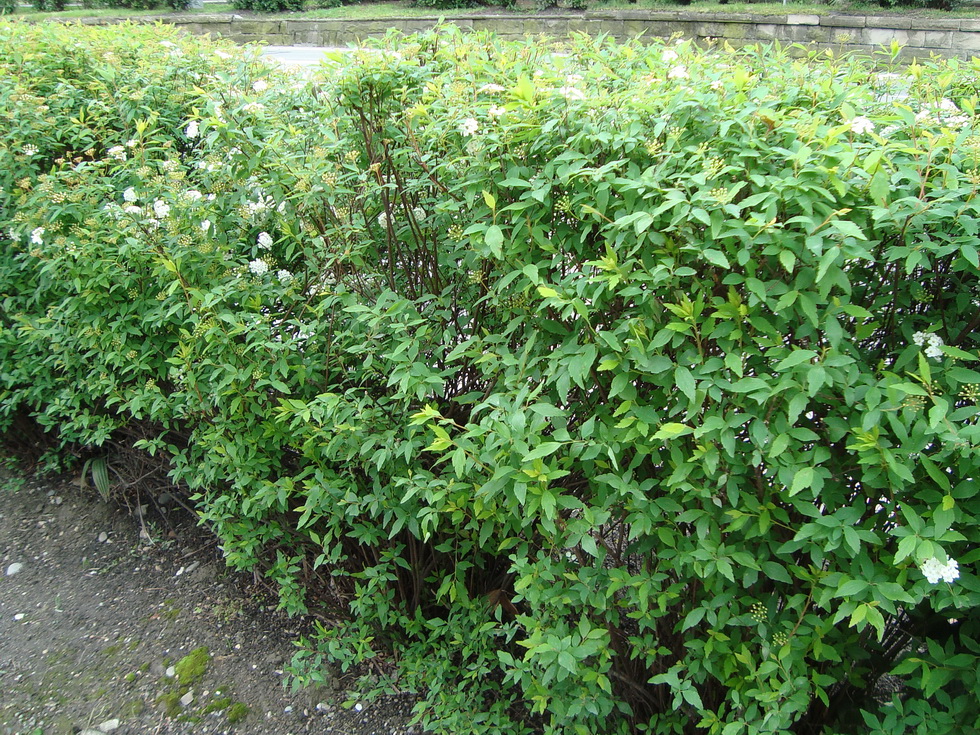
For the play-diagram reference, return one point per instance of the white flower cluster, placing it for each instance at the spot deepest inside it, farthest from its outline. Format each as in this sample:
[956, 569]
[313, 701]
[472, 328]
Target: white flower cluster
[192, 195]
[130, 195]
[260, 86]
[192, 130]
[30, 150]
[945, 112]
[935, 571]
[469, 127]
[678, 72]
[284, 276]
[261, 204]
[572, 93]
[861, 125]
[117, 152]
[495, 111]
[161, 209]
[669, 55]
[265, 240]
[37, 235]
[491, 88]
[932, 343]
[258, 266]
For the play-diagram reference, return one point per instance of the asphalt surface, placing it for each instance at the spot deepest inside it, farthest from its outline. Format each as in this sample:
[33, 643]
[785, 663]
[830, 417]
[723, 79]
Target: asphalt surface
[297, 55]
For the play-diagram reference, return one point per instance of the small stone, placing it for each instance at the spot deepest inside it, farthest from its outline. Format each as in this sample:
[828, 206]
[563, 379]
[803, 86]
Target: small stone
[109, 725]
[57, 500]
[14, 568]
[322, 707]
[288, 710]
[187, 699]
[171, 672]
[19, 616]
[103, 537]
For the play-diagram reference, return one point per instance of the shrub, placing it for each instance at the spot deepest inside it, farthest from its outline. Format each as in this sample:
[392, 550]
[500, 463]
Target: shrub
[269, 6]
[606, 388]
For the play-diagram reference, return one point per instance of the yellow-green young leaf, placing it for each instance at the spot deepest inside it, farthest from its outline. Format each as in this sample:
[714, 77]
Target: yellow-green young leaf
[547, 292]
[672, 430]
[608, 365]
[490, 200]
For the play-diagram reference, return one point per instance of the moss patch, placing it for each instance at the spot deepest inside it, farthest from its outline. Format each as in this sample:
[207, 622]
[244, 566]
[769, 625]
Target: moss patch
[237, 712]
[191, 667]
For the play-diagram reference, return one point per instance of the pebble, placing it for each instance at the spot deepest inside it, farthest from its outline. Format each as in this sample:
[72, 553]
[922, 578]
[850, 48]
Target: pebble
[171, 672]
[109, 725]
[103, 537]
[14, 568]
[187, 699]
[322, 707]
[19, 616]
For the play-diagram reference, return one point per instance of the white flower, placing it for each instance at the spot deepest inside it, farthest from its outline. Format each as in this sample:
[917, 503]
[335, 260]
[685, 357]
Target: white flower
[717, 84]
[383, 220]
[192, 195]
[934, 571]
[131, 143]
[168, 44]
[861, 125]
[572, 93]
[117, 152]
[573, 78]
[886, 131]
[265, 240]
[491, 88]
[931, 341]
[30, 150]
[284, 276]
[253, 107]
[260, 86]
[669, 55]
[222, 55]
[678, 72]
[36, 234]
[206, 225]
[258, 266]
[468, 127]
[192, 130]
[418, 213]
[496, 111]
[161, 209]
[133, 210]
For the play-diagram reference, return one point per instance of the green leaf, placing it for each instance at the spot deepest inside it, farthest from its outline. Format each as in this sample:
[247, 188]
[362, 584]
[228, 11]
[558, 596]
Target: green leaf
[802, 480]
[490, 200]
[716, 257]
[495, 240]
[543, 449]
[685, 382]
[795, 358]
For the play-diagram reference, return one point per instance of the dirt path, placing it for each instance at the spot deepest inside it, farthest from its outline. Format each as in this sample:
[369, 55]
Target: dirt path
[110, 624]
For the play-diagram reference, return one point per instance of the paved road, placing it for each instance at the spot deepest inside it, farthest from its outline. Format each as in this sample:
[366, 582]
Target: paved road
[296, 55]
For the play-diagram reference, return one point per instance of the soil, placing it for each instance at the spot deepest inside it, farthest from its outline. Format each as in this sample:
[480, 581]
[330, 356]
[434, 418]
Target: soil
[109, 618]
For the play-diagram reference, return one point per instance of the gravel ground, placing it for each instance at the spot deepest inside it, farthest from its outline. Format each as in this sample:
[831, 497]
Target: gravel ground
[111, 622]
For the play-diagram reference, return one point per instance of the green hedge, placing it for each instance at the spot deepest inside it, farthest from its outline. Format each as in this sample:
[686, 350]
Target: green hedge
[596, 388]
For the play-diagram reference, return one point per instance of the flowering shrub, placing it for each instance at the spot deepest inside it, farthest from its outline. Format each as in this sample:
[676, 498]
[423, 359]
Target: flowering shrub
[598, 389]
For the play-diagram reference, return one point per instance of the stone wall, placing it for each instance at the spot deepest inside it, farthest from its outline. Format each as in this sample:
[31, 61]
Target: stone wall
[919, 36]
